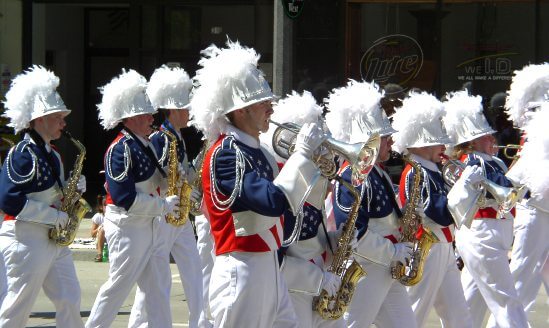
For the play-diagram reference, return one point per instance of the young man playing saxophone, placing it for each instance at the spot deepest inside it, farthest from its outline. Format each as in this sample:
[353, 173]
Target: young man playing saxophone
[31, 185]
[168, 89]
[133, 180]
[354, 115]
[421, 138]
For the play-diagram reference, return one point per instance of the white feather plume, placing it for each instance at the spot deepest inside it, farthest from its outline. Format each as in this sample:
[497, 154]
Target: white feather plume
[294, 108]
[220, 67]
[529, 84]
[458, 105]
[168, 83]
[418, 111]
[24, 88]
[118, 97]
[534, 156]
[348, 102]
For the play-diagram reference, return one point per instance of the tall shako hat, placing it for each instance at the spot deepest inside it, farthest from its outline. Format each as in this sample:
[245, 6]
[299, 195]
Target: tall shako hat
[464, 119]
[32, 94]
[294, 108]
[355, 113]
[419, 123]
[228, 80]
[529, 88]
[123, 97]
[169, 88]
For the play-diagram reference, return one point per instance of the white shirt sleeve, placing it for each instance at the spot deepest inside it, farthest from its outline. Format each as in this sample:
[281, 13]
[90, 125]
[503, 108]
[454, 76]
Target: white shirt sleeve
[97, 218]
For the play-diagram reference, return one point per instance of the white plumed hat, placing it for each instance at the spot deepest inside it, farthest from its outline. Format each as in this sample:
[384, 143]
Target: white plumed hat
[464, 119]
[419, 123]
[228, 80]
[532, 166]
[32, 94]
[123, 97]
[169, 88]
[294, 108]
[529, 87]
[355, 113]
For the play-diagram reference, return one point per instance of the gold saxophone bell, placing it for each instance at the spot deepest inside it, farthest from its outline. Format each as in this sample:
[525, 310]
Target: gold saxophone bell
[464, 212]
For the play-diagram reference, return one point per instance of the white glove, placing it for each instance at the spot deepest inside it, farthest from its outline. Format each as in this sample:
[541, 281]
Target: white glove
[62, 220]
[171, 205]
[309, 138]
[472, 175]
[403, 252]
[182, 172]
[81, 184]
[330, 283]
[196, 196]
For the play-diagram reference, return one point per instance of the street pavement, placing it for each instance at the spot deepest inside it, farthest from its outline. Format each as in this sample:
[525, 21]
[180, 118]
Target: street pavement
[92, 275]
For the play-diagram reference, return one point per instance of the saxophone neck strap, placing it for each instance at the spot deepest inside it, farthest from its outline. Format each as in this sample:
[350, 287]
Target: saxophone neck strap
[39, 141]
[147, 150]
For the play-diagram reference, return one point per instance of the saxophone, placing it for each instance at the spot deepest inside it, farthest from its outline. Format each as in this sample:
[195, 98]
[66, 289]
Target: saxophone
[411, 273]
[184, 192]
[197, 183]
[333, 307]
[73, 204]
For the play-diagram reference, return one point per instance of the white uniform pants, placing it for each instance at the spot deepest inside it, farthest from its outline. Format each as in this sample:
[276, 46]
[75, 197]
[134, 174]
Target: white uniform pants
[130, 243]
[33, 262]
[206, 251]
[379, 299]
[486, 278]
[3, 277]
[181, 243]
[247, 290]
[308, 318]
[530, 248]
[440, 288]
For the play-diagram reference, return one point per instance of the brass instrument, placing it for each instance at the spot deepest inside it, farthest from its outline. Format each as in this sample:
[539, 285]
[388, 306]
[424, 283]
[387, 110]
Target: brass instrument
[410, 274]
[73, 203]
[361, 158]
[197, 183]
[184, 192]
[7, 141]
[333, 307]
[463, 213]
[507, 148]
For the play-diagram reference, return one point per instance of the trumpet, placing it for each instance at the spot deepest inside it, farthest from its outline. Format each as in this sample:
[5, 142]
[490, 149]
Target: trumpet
[361, 156]
[507, 148]
[464, 212]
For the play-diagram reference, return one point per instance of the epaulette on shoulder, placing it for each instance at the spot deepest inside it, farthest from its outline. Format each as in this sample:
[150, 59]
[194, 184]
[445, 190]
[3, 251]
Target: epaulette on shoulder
[228, 142]
[21, 149]
[121, 142]
[225, 143]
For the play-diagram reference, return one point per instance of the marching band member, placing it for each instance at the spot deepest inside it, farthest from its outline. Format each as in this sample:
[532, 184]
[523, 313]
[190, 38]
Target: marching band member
[529, 90]
[354, 115]
[133, 180]
[244, 198]
[420, 136]
[304, 262]
[486, 278]
[31, 191]
[168, 89]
